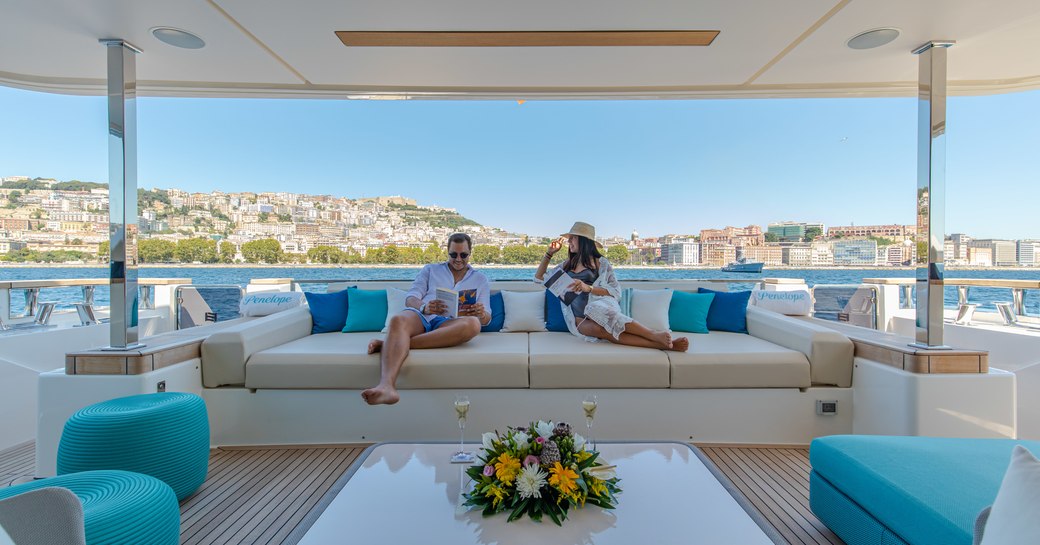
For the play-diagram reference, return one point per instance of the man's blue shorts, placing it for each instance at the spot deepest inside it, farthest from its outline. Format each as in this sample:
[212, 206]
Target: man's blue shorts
[432, 323]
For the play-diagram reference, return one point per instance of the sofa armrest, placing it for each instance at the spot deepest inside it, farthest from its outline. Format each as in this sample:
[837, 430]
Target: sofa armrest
[224, 353]
[829, 352]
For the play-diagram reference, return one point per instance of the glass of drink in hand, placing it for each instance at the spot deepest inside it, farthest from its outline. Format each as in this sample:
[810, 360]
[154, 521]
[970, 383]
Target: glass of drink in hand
[589, 405]
[461, 410]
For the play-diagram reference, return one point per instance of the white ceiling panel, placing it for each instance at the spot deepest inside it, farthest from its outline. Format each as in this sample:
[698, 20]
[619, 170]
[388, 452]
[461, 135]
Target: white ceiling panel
[302, 33]
[59, 39]
[990, 39]
[278, 48]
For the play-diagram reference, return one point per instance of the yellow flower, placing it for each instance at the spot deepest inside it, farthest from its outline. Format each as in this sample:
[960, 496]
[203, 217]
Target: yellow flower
[563, 478]
[507, 468]
[596, 487]
[495, 491]
[582, 455]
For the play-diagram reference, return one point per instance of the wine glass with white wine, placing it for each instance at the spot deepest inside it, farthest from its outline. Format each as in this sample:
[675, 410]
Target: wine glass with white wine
[589, 405]
[461, 411]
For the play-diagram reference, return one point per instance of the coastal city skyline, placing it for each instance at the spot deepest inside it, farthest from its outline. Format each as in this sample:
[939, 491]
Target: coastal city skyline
[653, 166]
[56, 221]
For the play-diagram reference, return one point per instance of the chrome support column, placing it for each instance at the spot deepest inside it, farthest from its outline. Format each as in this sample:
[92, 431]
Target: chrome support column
[931, 192]
[122, 191]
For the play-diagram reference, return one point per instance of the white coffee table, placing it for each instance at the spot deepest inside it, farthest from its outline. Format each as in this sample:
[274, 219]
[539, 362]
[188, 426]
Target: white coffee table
[410, 493]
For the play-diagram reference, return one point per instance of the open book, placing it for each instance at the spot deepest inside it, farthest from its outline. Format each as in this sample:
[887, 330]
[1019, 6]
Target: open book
[559, 282]
[453, 299]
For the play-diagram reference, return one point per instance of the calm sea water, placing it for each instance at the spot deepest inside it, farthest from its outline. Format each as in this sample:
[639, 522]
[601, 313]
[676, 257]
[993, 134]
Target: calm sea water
[985, 297]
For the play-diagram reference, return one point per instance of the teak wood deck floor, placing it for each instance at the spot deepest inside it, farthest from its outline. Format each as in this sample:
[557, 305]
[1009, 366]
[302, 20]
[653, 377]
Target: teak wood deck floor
[260, 495]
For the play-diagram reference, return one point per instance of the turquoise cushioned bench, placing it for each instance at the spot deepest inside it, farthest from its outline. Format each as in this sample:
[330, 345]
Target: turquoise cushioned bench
[913, 490]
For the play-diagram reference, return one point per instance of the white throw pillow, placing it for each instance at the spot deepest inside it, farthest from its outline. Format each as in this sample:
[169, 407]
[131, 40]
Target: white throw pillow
[269, 302]
[395, 299]
[525, 311]
[1013, 517]
[650, 308]
[791, 303]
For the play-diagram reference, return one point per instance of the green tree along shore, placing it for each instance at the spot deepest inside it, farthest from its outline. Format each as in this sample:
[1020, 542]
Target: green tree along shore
[268, 251]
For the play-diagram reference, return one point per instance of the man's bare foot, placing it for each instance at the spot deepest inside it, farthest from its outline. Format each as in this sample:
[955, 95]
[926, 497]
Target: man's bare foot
[375, 346]
[381, 395]
[662, 338]
[682, 344]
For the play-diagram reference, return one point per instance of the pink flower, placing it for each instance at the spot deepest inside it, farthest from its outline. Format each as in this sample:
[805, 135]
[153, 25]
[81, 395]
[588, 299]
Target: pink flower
[489, 470]
[530, 459]
[540, 440]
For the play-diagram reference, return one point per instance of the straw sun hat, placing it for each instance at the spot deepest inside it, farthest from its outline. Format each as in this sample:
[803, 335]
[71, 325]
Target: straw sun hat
[583, 229]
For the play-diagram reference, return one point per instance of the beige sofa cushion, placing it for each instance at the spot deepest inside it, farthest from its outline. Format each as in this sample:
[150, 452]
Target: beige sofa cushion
[325, 360]
[734, 360]
[489, 360]
[561, 360]
[340, 360]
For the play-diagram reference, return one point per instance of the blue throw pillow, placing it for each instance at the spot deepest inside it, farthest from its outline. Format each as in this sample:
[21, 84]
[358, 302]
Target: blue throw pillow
[689, 311]
[367, 310]
[498, 314]
[728, 311]
[328, 311]
[554, 318]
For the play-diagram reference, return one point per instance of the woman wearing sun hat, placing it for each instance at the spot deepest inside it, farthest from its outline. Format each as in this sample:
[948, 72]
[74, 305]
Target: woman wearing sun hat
[595, 313]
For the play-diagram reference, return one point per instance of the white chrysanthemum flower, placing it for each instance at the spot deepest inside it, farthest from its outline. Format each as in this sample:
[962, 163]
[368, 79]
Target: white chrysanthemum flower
[544, 429]
[579, 443]
[530, 482]
[487, 439]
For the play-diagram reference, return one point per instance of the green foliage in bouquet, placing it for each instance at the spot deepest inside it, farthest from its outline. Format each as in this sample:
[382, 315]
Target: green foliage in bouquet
[543, 469]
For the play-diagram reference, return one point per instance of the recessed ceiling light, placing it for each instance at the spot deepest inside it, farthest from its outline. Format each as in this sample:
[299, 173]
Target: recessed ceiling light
[177, 37]
[873, 38]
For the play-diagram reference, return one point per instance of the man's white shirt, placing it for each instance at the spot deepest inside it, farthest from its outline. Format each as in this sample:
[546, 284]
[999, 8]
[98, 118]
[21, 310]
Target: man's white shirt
[439, 275]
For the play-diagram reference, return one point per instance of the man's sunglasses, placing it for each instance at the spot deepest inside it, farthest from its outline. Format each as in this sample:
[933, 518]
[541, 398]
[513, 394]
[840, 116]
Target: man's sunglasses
[462, 255]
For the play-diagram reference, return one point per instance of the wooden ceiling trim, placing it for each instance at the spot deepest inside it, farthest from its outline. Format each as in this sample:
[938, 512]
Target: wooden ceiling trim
[593, 38]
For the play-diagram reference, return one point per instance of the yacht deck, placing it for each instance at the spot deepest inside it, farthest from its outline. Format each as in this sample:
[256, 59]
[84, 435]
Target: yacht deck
[260, 495]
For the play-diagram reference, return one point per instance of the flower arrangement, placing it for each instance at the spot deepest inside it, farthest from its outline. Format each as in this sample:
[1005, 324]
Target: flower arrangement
[544, 469]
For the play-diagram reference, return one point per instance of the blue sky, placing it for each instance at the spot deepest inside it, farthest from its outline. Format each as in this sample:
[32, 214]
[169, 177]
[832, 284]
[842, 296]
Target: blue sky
[654, 166]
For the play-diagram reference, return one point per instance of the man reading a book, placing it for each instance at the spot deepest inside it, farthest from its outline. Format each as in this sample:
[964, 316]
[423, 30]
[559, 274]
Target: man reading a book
[427, 321]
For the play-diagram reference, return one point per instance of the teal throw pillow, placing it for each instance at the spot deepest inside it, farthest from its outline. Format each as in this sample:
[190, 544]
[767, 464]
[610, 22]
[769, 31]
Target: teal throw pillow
[689, 311]
[366, 310]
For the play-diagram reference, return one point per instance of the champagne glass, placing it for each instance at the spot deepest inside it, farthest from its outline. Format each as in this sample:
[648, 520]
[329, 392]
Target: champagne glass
[589, 405]
[461, 411]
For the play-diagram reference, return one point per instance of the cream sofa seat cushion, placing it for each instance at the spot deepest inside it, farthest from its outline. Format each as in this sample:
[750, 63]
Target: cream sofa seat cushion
[561, 360]
[735, 360]
[324, 360]
[340, 360]
[489, 360]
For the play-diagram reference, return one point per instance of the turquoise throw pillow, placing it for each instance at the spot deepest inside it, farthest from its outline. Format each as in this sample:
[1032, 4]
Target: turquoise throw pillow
[328, 310]
[689, 311]
[728, 310]
[367, 310]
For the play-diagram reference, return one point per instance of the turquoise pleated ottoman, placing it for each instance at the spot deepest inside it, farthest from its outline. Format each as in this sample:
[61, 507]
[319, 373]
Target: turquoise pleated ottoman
[119, 507]
[165, 435]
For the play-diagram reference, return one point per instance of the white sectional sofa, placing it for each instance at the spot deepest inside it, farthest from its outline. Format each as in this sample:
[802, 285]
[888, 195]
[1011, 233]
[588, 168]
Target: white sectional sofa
[274, 382]
[279, 352]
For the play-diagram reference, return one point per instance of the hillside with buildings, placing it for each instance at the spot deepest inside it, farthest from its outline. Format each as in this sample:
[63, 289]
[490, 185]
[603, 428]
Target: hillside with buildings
[45, 220]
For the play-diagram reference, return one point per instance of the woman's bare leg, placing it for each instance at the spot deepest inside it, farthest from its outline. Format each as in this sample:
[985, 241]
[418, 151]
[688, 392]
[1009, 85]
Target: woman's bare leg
[660, 340]
[592, 329]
